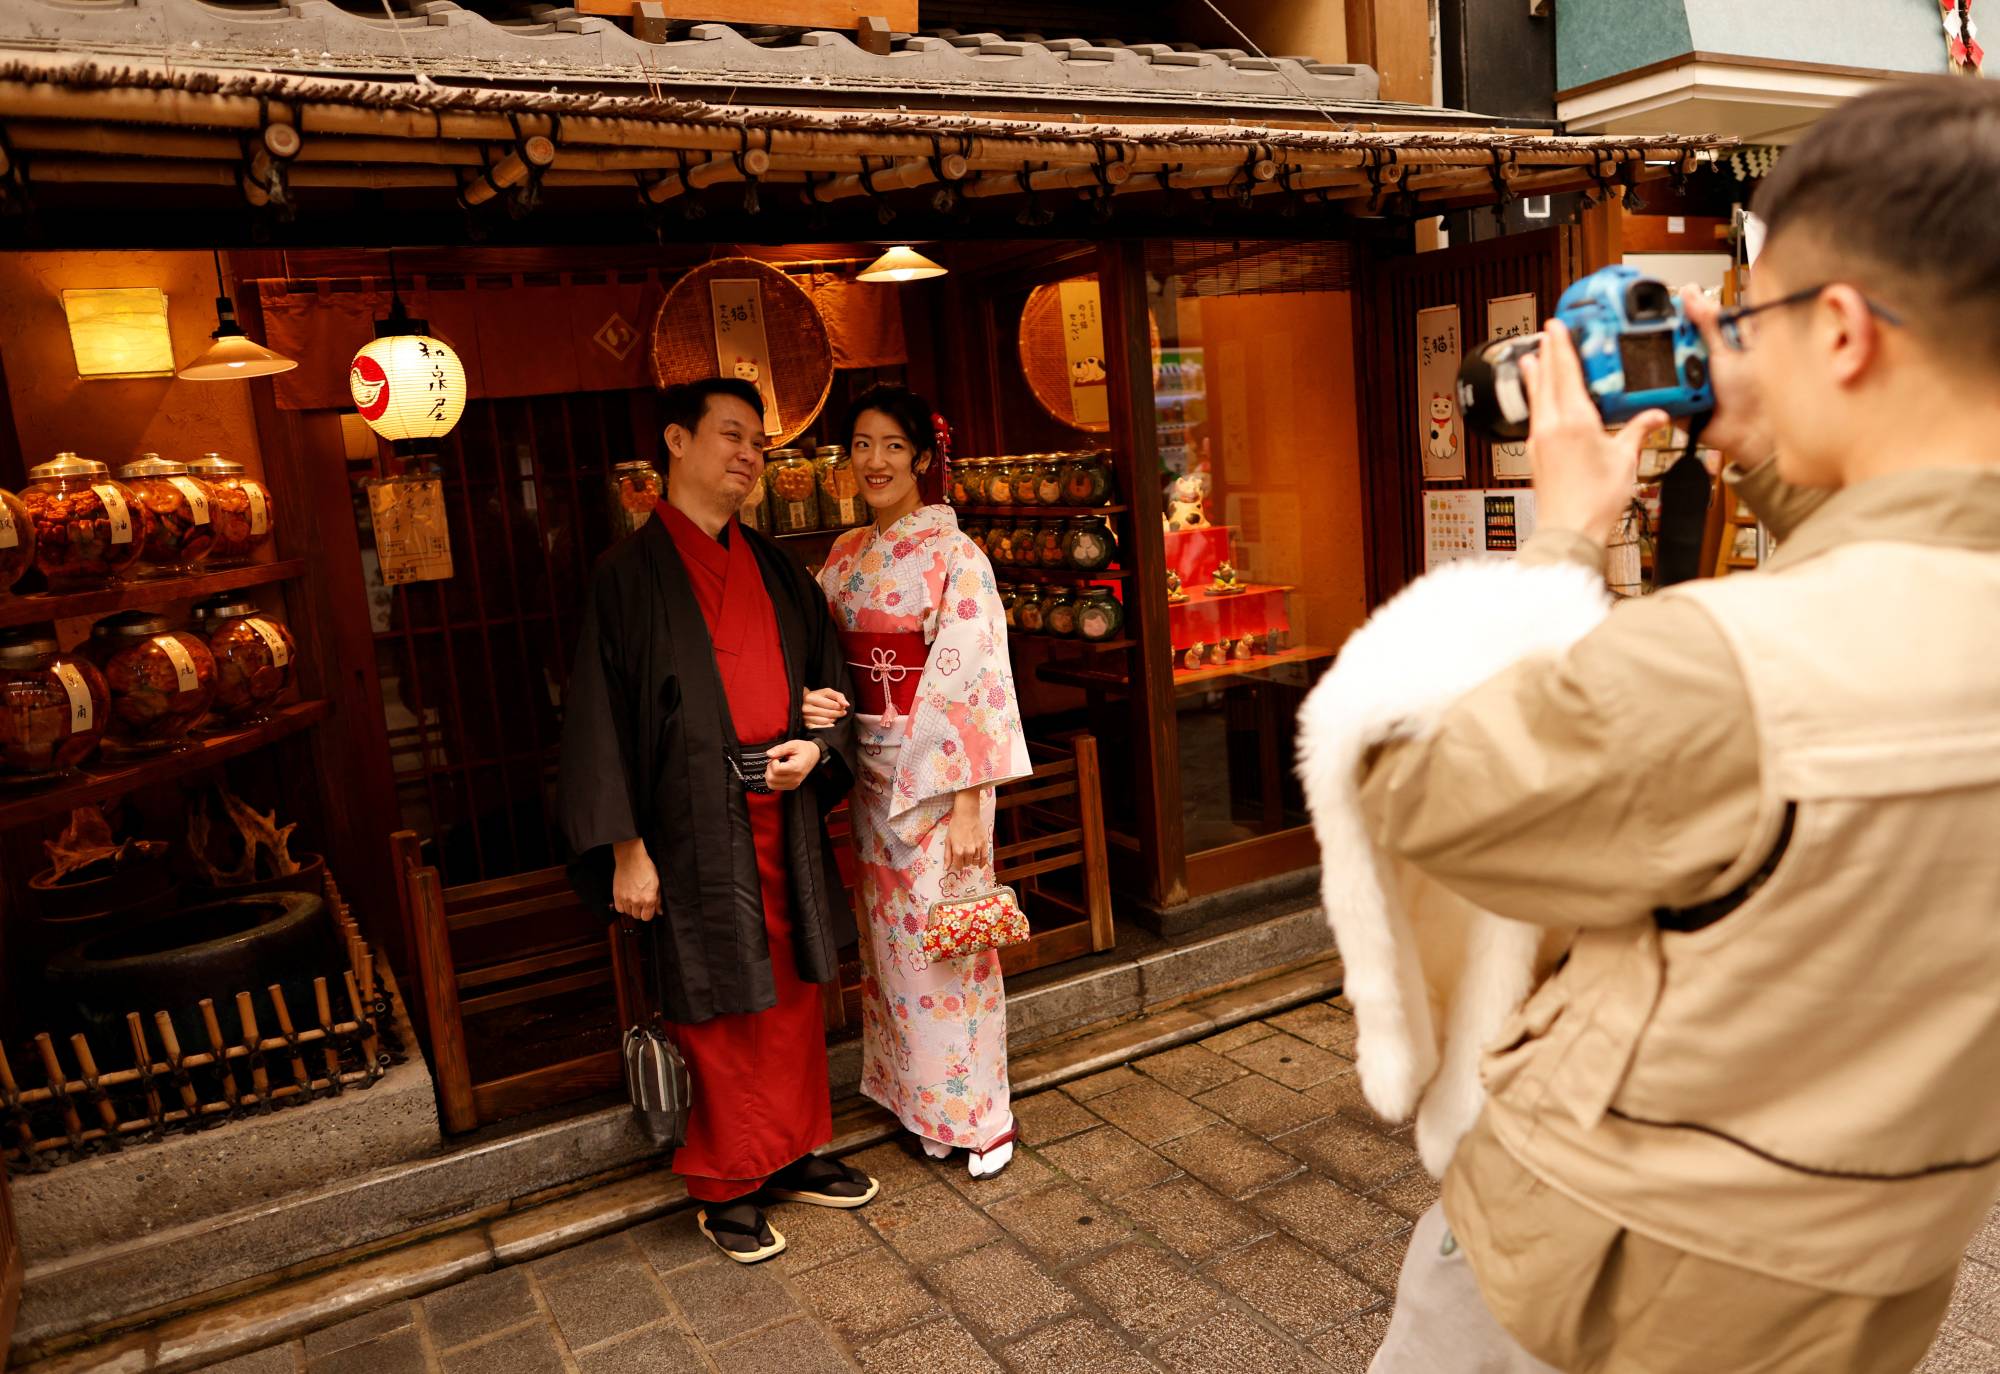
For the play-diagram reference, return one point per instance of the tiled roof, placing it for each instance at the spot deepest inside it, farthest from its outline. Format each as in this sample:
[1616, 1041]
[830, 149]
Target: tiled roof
[546, 47]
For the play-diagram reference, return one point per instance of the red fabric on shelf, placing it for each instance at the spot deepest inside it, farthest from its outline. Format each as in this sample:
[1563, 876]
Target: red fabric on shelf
[760, 1088]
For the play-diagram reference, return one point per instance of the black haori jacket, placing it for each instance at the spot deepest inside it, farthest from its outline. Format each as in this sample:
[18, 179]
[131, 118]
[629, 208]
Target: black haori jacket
[645, 728]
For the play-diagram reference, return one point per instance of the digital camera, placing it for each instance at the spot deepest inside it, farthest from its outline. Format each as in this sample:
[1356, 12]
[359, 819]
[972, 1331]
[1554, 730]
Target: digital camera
[1640, 352]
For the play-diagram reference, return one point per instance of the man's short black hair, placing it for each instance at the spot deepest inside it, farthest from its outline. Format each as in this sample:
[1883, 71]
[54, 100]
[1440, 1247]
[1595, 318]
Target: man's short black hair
[685, 403]
[1898, 192]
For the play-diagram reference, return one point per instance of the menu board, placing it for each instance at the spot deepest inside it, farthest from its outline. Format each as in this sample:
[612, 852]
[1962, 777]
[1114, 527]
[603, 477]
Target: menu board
[1476, 523]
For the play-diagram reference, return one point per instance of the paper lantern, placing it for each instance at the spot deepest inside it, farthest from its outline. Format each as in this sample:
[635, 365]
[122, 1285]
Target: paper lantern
[408, 386]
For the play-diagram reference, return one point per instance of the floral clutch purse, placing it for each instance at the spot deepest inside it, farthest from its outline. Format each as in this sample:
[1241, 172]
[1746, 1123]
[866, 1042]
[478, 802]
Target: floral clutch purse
[958, 926]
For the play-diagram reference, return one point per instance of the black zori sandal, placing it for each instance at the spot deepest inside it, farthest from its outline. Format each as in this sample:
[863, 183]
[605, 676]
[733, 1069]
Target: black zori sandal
[823, 1183]
[740, 1232]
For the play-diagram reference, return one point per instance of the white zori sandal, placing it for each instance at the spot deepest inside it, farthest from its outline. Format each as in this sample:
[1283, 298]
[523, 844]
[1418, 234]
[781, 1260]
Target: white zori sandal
[995, 1157]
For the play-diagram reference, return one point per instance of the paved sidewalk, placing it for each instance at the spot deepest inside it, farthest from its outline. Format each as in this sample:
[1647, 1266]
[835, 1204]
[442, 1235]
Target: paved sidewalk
[1225, 1206]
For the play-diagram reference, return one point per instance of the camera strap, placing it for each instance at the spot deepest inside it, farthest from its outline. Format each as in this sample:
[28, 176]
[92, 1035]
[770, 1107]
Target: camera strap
[1684, 493]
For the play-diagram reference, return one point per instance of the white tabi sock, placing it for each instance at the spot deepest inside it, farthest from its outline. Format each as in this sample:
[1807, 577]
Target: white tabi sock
[936, 1149]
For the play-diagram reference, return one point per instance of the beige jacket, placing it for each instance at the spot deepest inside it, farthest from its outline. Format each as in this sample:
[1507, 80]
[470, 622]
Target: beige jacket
[1800, 1091]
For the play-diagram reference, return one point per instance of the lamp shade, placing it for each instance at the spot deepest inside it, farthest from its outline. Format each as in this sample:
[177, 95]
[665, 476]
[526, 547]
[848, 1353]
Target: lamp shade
[901, 263]
[233, 357]
[408, 386]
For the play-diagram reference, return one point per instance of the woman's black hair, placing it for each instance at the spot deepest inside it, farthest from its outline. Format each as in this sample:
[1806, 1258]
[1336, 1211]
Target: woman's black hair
[911, 412]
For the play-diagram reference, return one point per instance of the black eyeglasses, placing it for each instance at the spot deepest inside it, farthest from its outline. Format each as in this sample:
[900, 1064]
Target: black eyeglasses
[1730, 322]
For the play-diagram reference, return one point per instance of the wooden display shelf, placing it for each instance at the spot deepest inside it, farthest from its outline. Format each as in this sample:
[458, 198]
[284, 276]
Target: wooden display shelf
[1009, 573]
[104, 780]
[1249, 667]
[1037, 512]
[142, 593]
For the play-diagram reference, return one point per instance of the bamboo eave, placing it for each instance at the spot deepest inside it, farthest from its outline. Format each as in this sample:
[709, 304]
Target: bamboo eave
[70, 122]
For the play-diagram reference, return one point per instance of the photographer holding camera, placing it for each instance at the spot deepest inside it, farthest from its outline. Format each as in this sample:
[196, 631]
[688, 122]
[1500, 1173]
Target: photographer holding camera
[1749, 1123]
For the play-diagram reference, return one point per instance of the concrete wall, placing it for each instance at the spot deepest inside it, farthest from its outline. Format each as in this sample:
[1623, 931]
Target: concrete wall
[1601, 38]
[113, 420]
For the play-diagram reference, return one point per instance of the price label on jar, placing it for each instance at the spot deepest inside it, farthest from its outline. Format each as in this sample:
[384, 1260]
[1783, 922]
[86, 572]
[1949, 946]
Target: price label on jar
[10, 534]
[115, 507]
[197, 499]
[798, 515]
[260, 511]
[273, 640]
[182, 660]
[82, 715]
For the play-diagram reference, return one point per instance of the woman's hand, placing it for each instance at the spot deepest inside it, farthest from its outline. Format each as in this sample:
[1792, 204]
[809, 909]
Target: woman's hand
[635, 883]
[823, 708]
[965, 838]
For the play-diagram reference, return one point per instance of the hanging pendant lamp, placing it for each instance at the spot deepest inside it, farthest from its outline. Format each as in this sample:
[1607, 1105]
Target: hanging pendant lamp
[901, 263]
[233, 356]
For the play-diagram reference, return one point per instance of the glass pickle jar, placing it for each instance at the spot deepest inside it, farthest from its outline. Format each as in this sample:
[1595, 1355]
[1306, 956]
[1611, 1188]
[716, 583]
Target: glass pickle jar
[1099, 615]
[958, 487]
[840, 503]
[1049, 544]
[1059, 612]
[636, 487]
[1049, 479]
[53, 706]
[17, 540]
[1028, 613]
[1028, 480]
[88, 529]
[162, 680]
[1000, 482]
[240, 510]
[1010, 602]
[253, 656]
[755, 512]
[975, 530]
[1087, 543]
[1086, 480]
[1026, 552]
[180, 535]
[794, 491]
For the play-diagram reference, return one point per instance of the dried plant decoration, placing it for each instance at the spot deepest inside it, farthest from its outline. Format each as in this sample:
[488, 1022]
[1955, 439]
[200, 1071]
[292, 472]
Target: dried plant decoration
[85, 841]
[231, 860]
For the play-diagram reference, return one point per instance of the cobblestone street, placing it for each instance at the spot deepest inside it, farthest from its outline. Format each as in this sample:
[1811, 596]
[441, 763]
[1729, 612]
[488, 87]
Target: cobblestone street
[1225, 1206]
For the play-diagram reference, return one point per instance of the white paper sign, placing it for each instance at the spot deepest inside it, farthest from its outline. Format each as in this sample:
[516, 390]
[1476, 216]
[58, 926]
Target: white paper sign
[741, 348]
[115, 507]
[197, 499]
[1438, 426]
[1509, 317]
[182, 660]
[1083, 348]
[273, 640]
[82, 715]
[260, 511]
[1487, 522]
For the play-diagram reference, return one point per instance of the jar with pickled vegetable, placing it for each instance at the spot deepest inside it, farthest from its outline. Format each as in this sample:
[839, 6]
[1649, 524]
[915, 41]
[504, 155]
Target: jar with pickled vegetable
[958, 487]
[1099, 615]
[1086, 480]
[755, 512]
[240, 510]
[1059, 613]
[1027, 551]
[17, 540]
[794, 491]
[1028, 614]
[976, 531]
[1049, 480]
[1010, 602]
[978, 474]
[840, 503]
[636, 488]
[1000, 544]
[181, 534]
[253, 656]
[1087, 543]
[53, 706]
[162, 680]
[88, 528]
[1028, 478]
[1049, 544]
[1000, 482]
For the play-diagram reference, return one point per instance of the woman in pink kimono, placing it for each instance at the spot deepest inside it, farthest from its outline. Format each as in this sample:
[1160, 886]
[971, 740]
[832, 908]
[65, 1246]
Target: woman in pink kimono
[939, 728]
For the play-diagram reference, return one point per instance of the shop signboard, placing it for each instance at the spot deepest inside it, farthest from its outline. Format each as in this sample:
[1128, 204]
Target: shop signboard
[1083, 345]
[412, 537]
[741, 348]
[1509, 317]
[1438, 423]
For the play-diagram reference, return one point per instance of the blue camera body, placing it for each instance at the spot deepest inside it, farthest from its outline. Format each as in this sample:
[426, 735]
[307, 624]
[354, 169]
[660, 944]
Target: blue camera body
[1640, 351]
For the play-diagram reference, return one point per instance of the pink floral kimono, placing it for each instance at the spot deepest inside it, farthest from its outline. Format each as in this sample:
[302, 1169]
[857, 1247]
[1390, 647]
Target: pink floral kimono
[935, 713]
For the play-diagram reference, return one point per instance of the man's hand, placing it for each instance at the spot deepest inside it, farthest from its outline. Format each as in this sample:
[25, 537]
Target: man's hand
[824, 708]
[1738, 427]
[788, 764]
[635, 883]
[1583, 476]
[965, 837]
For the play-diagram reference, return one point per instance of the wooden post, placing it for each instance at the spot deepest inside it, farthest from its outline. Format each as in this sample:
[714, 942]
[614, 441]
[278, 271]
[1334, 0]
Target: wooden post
[1604, 233]
[1096, 862]
[1121, 277]
[438, 984]
[1393, 37]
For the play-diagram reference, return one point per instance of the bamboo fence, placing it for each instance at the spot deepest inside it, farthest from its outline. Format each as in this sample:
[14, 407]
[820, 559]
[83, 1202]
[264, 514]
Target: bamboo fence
[75, 1111]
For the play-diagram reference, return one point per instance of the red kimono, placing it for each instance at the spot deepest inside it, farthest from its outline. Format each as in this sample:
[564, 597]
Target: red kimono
[760, 1087]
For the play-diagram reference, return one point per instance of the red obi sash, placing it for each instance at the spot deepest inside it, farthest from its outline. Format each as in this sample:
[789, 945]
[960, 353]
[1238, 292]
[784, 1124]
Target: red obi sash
[885, 669]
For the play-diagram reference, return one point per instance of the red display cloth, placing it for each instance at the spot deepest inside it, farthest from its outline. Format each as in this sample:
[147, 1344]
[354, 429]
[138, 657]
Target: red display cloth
[884, 668]
[760, 1087]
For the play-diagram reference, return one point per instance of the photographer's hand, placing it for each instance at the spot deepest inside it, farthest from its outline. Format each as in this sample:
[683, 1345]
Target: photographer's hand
[1737, 429]
[1583, 476]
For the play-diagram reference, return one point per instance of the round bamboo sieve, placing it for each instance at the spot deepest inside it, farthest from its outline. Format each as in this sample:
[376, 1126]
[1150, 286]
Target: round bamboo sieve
[801, 357]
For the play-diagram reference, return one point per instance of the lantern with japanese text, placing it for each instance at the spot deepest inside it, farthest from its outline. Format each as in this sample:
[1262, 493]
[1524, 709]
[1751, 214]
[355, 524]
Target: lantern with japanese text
[408, 386]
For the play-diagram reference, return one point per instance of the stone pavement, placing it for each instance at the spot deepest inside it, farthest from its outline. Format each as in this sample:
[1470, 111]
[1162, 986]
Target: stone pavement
[1226, 1206]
